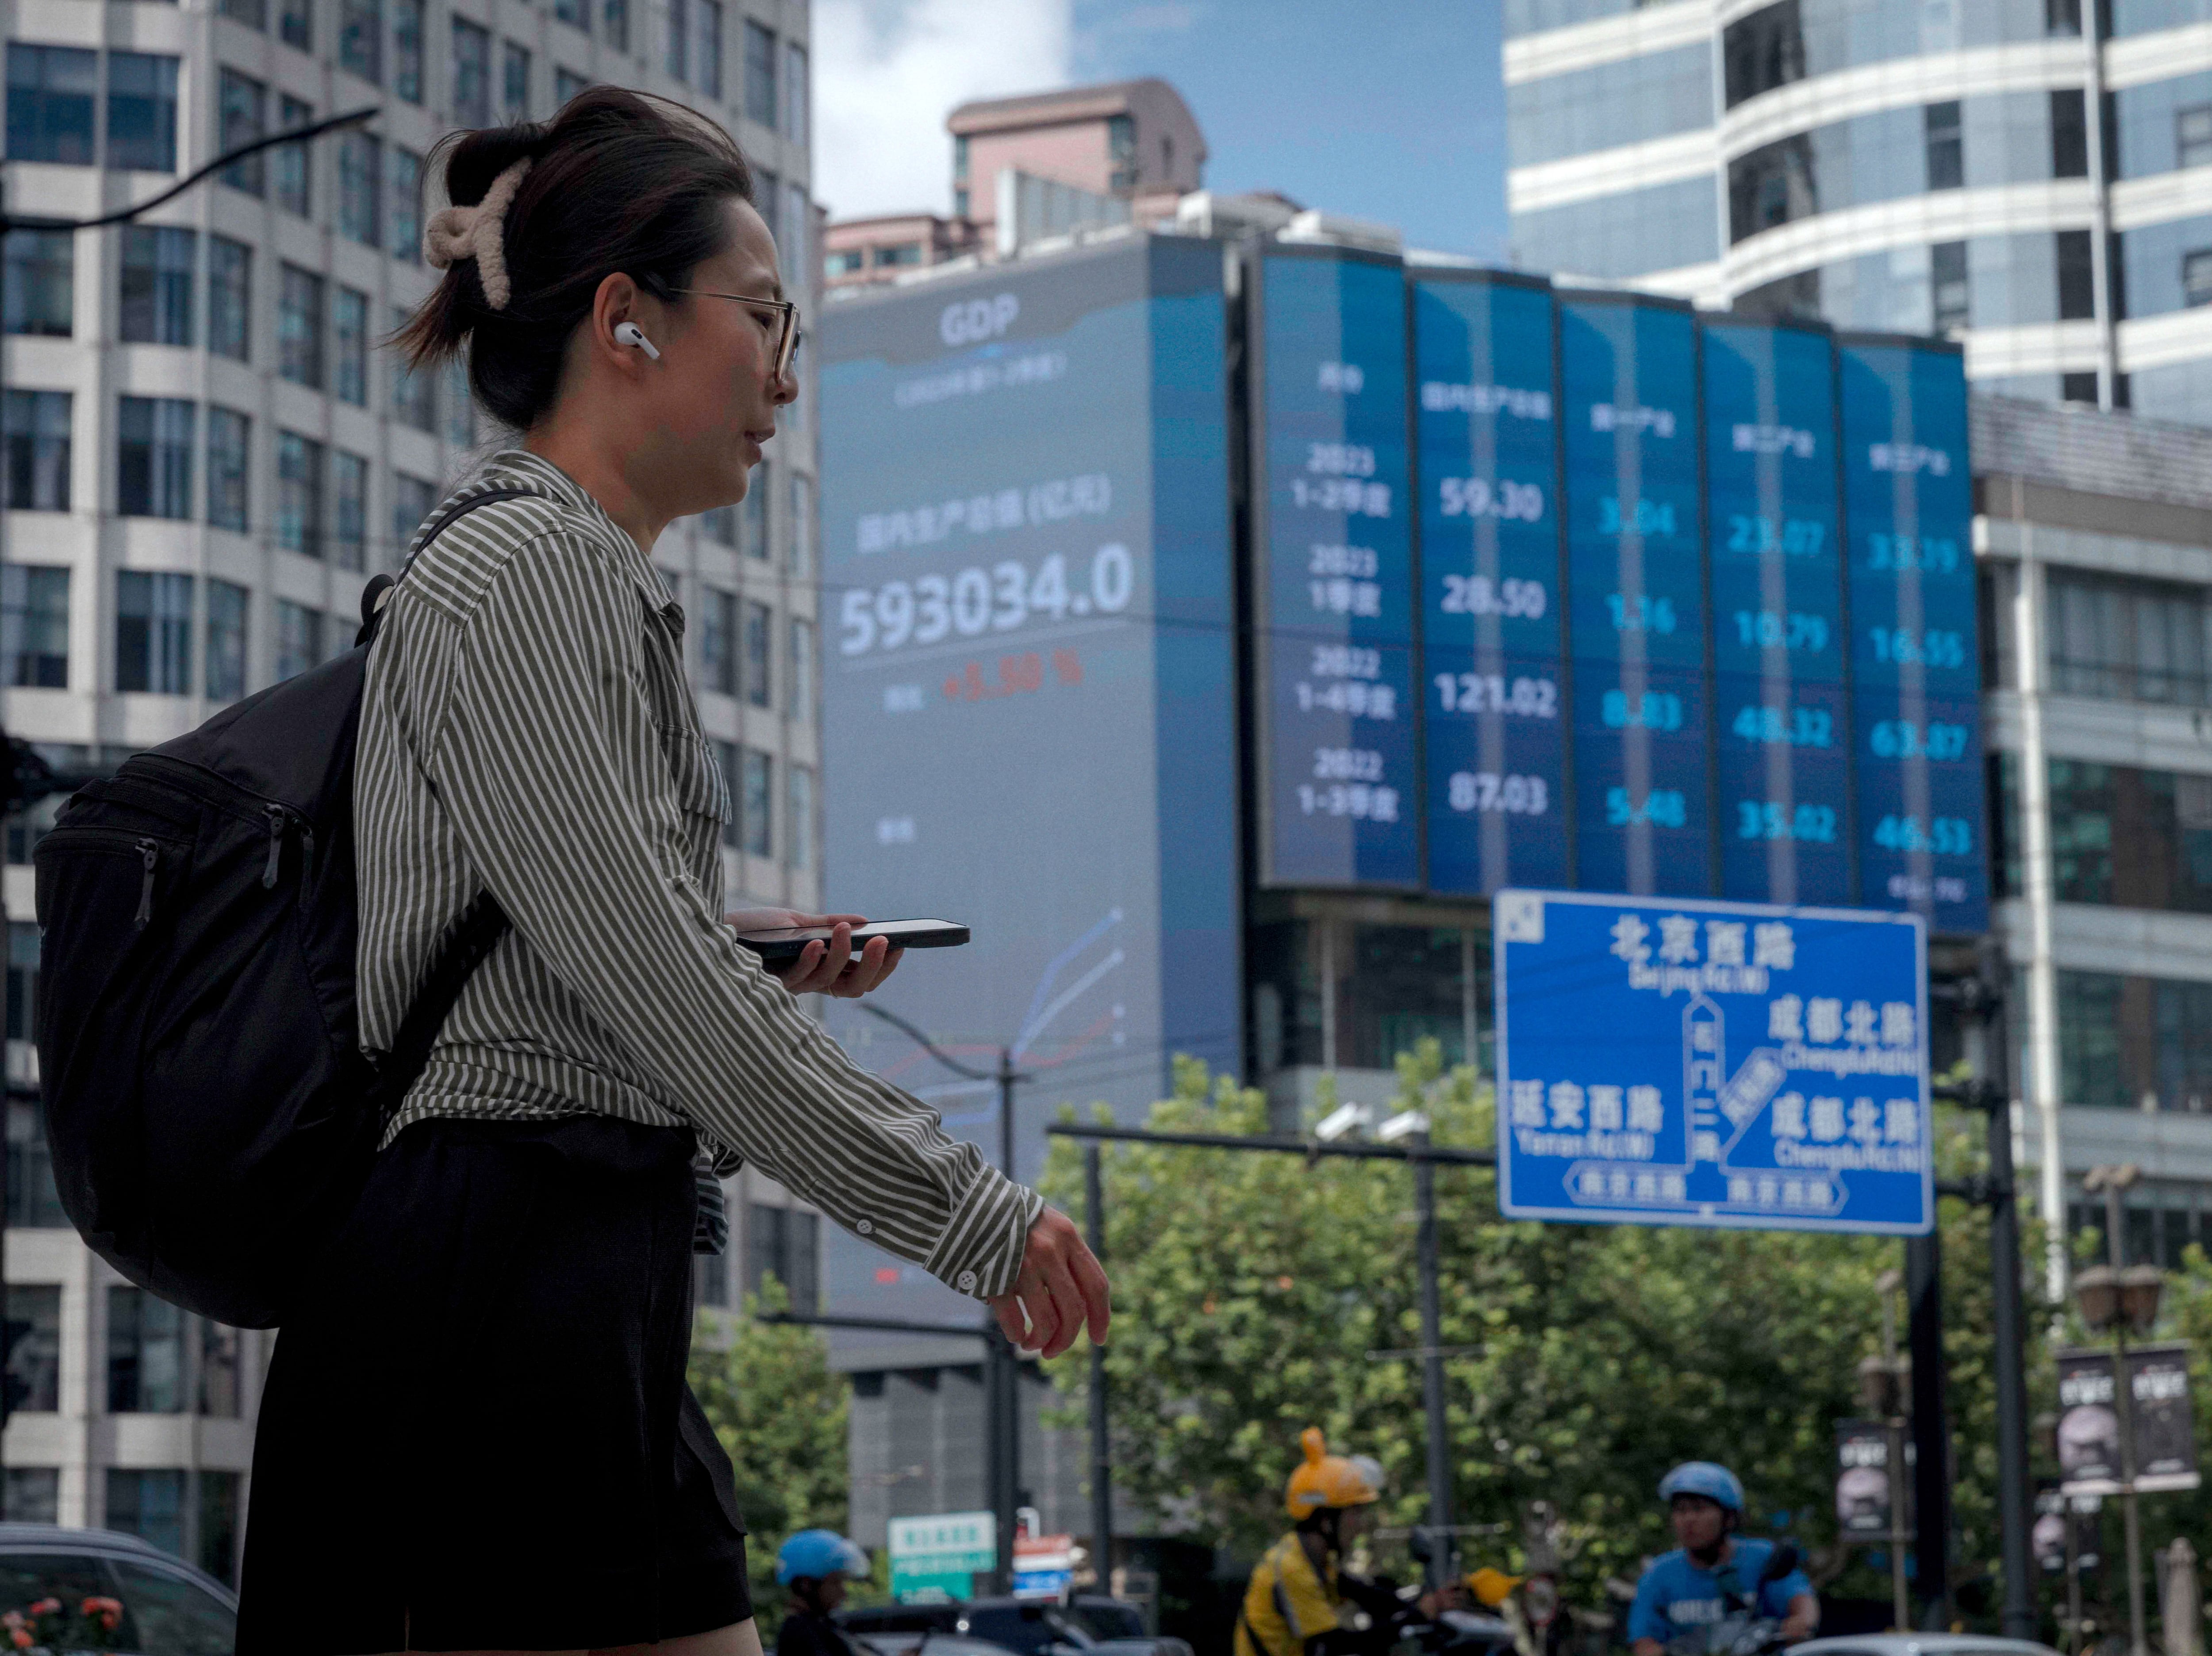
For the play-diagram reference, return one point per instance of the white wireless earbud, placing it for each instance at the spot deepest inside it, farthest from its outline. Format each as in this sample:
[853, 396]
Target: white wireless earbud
[630, 334]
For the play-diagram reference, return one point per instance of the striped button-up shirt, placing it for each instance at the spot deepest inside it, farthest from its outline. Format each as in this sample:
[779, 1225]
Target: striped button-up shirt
[527, 730]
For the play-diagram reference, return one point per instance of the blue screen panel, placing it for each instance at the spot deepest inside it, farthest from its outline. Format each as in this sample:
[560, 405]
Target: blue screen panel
[1916, 657]
[1637, 606]
[1491, 620]
[1334, 575]
[1774, 541]
[1050, 760]
[1643, 822]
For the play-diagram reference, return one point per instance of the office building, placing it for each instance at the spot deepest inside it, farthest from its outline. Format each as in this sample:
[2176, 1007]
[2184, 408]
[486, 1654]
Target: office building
[207, 455]
[869, 251]
[2032, 176]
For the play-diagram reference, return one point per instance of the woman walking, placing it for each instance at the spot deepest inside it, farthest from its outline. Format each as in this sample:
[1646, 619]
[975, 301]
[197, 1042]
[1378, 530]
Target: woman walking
[478, 1438]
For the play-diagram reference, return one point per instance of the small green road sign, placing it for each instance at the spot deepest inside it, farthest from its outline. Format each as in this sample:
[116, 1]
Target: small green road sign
[937, 1557]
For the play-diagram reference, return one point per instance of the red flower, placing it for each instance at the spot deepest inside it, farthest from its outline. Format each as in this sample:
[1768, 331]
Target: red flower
[22, 1638]
[95, 1605]
[45, 1606]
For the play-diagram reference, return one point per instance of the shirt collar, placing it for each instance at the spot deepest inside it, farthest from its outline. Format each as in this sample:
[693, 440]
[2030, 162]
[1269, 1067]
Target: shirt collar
[518, 465]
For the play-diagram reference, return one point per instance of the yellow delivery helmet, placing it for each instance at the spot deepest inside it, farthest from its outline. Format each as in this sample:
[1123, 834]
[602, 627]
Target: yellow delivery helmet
[1328, 1480]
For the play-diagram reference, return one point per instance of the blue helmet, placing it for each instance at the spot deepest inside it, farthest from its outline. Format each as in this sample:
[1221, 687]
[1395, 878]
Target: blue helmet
[1716, 1483]
[817, 1554]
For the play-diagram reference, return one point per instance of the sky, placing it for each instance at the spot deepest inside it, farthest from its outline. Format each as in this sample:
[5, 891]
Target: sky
[1392, 111]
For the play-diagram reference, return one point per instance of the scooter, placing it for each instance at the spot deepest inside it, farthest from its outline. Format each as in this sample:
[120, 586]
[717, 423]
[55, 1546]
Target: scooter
[1743, 1631]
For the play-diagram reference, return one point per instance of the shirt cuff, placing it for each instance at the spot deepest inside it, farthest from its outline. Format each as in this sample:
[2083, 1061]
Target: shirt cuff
[981, 1252]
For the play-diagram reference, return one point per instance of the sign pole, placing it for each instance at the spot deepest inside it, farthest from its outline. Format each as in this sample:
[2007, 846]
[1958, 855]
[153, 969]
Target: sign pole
[1901, 1607]
[1438, 1567]
[1102, 1456]
[2123, 1406]
[1923, 1293]
[2020, 1620]
[1006, 1396]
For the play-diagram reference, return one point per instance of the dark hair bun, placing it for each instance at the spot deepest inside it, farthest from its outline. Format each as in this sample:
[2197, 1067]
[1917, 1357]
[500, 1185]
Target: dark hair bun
[619, 180]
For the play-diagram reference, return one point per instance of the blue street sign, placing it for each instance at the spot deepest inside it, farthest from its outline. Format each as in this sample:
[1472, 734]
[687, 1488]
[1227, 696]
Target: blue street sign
[1691, 1063]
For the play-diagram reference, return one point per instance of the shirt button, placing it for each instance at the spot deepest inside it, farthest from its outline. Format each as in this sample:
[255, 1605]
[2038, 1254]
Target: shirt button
[866, 1227]
[967, 1283]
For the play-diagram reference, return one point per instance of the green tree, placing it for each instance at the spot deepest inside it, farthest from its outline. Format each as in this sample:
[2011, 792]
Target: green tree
[1253, 1292]
[780, 1412]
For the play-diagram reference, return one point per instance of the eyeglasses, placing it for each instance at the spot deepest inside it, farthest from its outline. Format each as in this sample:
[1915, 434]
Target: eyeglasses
[786, 340]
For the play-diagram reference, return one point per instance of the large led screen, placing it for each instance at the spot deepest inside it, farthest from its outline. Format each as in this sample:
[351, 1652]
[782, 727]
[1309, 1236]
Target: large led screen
[1492, 675]
[1029, 688]
[1333, 574]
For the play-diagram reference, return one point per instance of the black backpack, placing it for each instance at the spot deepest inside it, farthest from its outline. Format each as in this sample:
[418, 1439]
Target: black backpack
[211, 1114]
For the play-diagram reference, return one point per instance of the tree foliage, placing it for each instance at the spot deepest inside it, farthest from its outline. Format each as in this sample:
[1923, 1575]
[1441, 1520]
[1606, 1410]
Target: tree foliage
[1253, 1295]
[780, 1412]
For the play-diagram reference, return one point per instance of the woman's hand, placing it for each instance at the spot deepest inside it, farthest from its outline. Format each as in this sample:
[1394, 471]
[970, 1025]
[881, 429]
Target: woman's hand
[823, 968]
[1060, 1288]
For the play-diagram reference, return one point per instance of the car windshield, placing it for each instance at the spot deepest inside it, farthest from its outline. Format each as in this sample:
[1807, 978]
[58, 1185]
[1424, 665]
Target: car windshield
[176, 1617]
[1025, 1630]
[67, 1601]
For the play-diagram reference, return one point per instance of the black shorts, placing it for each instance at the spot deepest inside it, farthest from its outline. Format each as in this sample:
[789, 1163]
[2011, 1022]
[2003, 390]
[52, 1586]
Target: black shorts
[478, 1435]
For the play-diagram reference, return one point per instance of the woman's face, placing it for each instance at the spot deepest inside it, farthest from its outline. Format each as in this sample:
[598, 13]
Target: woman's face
[718, 395]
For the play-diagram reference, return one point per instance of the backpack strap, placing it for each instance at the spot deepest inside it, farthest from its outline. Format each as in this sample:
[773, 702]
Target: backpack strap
[483, 923]
[377, 593]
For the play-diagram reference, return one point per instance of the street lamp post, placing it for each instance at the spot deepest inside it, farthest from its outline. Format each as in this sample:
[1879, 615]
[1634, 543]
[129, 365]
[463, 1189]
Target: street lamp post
[1882, 1383]
[2120, 1297]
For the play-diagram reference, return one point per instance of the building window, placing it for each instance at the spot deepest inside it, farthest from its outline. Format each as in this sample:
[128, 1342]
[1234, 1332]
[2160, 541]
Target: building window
[566, 85]
[229, 435]
[802, 524]
[350, 345]
[720, 526]
[718, 642]
[254, 13]
[157, 284]
[23, 979]
[797, 220]
[34, 602]
[153, 633]
[460, 405]
[145, 1362]
[755, 511]
[230, 297]
[576, 14]
[348, 510]
[142, 111]
[1122, 152]
[50, 90]
[760, 73]
[299, 639]
[707, 47]
[31, 1495]
[515, 82]
[799, 791]
[361, 189]
[2192, 135]
[414, 396]
[2129, 640]
[472, 74]
[2069, 135]
[299, 327]
[36, 425]
[299, 494]
[760, 682]
[756, 811]
[32, 1199]
[785, 1244]
[361, 39]
[798, 98]
[2196, 277]
[2128, 1042]
[147, 1503]
[154, 458]
[960, 158]
[218, 1539]
[294, 162]
[2077, 288]
[616, 13]
[41, 283]
[728, 756]
[412, 500]
[34, 1350]
[407, 49]
[802, 671]
[295, 24]
[2130, 838]
[406, 217]
[226, 641]
[1946, 167]
[675, 59]
[242, 116]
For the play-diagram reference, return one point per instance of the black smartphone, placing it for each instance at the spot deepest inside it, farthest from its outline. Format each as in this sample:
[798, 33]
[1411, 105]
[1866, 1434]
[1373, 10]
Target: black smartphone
[781, 945]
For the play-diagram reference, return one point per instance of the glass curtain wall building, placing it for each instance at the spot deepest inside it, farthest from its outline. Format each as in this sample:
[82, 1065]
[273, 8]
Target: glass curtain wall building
[2034, 175]
[205, 453]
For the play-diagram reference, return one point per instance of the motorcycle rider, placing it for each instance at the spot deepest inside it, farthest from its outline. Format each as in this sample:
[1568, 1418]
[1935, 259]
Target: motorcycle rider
[1714, 1571]
[814, 1564]
[1301, 1601]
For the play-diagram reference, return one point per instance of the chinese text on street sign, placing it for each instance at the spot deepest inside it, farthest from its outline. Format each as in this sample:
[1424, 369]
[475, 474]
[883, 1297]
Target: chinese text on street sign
[936, 1559]
[1712, 1064]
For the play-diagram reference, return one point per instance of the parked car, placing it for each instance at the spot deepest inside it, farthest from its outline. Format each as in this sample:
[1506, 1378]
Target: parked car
[168, 1608]
[1919, 1644]
[1092, 1623]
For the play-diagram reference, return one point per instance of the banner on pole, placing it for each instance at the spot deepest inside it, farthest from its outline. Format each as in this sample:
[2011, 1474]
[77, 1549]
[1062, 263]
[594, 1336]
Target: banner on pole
[2165, 1446]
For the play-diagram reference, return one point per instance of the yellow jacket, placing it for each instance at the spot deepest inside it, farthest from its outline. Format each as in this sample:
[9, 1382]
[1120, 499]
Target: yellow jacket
[1288, 1603]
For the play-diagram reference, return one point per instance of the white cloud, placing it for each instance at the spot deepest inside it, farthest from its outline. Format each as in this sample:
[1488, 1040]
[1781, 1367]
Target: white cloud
[887, 71]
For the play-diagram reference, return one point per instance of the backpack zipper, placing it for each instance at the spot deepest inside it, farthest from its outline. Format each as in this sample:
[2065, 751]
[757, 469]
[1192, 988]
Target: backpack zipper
[149, 853]
[118, 842]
